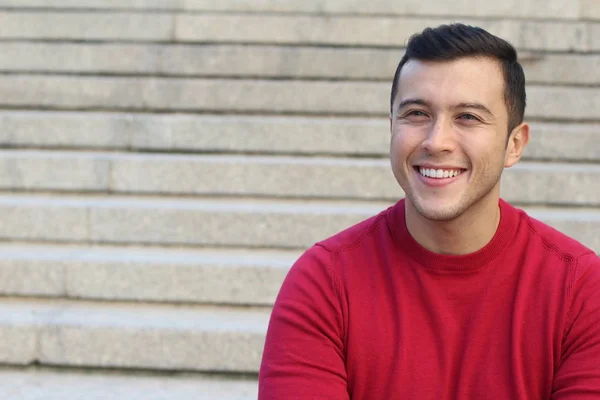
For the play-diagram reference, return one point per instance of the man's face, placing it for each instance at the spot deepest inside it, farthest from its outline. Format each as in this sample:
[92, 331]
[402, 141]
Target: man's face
[449, 135]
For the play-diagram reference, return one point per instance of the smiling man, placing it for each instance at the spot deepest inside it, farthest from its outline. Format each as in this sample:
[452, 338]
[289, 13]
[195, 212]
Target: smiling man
[451, 293]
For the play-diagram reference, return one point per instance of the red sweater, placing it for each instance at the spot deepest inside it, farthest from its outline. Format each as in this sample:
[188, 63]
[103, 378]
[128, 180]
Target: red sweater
[370, 314]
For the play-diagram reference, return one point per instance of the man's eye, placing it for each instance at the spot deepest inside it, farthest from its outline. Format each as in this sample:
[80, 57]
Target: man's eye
[416, 113]
[470, 117]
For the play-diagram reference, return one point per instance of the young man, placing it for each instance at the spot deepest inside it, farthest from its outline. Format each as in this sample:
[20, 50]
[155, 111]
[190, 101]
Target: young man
[451, 293]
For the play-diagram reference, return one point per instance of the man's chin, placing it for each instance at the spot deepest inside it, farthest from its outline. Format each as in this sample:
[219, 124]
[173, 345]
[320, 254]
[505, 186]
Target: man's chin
[437, 211]
[439, 215]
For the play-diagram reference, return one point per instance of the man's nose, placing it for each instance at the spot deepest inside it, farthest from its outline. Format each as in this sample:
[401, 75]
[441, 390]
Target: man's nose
[440, 137]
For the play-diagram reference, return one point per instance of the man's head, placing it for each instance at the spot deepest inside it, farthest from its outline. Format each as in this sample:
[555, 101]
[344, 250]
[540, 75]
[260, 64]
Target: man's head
[458, 100]
[451, 42]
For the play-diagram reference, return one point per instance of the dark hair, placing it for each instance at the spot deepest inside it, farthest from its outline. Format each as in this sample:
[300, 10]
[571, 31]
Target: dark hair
[450, 42]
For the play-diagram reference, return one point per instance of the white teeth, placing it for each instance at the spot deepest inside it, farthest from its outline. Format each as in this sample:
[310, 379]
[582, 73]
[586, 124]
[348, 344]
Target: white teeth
[439, 173]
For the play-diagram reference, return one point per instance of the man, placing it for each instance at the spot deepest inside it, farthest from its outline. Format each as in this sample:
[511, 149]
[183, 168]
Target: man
[451, 293]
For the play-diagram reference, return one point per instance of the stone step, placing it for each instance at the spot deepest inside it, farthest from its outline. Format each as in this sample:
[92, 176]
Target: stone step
[267, 176]
[207, 276]
[254, 96]
[556, 9]
[353, 30]
[61, 384]
[225, 60]
[251, 134]
[293, 224]
[138, 336]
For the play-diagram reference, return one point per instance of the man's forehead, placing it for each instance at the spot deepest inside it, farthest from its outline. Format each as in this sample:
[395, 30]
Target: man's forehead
[469, 68]
[462, 81]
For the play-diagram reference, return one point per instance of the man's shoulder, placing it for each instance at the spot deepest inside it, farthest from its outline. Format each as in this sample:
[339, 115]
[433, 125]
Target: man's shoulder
[355, 234]
[317, 265]
[552, 240]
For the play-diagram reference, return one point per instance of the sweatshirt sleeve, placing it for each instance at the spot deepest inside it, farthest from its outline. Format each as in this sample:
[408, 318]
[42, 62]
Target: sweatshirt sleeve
[304, 349]
[578, 375]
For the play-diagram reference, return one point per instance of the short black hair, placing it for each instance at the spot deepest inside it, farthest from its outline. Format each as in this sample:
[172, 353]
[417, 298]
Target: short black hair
[451, 42]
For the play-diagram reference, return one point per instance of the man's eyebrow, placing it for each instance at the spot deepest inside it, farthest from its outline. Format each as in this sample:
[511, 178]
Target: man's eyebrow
[477, 106]
[415, 101]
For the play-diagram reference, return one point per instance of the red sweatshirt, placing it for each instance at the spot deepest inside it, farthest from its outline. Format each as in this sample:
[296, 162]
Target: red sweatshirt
[370, 314]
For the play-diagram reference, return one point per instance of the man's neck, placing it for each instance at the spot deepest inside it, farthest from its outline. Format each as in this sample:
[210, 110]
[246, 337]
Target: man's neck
[466, 234]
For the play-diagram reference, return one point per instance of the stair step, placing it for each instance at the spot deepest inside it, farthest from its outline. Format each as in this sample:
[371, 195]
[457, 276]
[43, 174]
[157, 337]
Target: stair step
[147, 275]
[73, 384]
[227, 60]
[252, 134]
[293, 224]
[217, 276]
[170, 221]
[140, 336]
[283, 28]
[253, 96]
[309, 177]
[86, 25]
[534, 9]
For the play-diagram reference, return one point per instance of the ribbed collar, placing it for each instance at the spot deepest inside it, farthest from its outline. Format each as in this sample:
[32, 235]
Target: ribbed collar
[509, 218]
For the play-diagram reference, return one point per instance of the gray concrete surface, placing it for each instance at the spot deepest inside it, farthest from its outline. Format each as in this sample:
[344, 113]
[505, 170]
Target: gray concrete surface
[293, 224]
[155, 274]
[227, 60]
[533, 9]
[281, 29]
[323, 177]
[138, 336]
[252, 96]
[123, 258]
[56, 384]
[252, 134]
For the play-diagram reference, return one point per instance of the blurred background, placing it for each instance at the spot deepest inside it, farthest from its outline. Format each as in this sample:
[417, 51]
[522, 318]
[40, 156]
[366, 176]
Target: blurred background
[163, 164]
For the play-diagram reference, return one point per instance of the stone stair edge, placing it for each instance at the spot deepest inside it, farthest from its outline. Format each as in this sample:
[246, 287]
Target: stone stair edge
[208, 202]
[226, 276]
[255, 61]
[132, 118]
[371, 160]
[26, 115]
[222, 256]
[216, 202]
[583, 8]
[533, 34]
[568, 103]
[118, 335]
[224, 318]
[37, 383]
[233, 222]
[276, 177]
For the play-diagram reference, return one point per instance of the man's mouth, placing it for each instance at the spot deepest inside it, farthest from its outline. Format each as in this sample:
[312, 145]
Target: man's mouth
[439, 173]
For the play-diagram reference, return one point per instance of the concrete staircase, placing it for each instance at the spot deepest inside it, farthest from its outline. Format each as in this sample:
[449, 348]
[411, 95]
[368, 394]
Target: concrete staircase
[164, 162]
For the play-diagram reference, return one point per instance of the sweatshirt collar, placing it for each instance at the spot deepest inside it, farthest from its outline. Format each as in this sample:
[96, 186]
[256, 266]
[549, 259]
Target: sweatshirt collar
[509, 217]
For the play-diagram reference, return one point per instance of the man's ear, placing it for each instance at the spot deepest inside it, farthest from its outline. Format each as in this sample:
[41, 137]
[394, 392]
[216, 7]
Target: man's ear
[517, 140]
